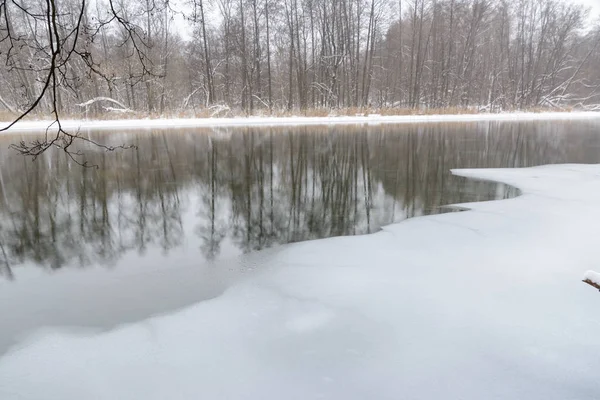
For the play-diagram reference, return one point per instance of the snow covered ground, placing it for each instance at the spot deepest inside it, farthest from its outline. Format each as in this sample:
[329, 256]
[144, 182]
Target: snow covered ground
[484, 304]
[24, 126]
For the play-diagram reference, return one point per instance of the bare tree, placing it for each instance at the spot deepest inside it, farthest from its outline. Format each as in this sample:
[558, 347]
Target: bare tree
[67, 58]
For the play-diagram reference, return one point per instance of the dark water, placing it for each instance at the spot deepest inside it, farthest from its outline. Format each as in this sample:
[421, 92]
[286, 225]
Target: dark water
[194, 196]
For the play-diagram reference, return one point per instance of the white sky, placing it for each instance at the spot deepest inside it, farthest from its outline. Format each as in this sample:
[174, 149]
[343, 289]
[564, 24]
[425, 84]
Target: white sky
[593, 4]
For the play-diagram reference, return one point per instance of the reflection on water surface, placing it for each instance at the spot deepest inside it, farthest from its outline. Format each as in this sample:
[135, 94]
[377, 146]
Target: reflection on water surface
[198, 195]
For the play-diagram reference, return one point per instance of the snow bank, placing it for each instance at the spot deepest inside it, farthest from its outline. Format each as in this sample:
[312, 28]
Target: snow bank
[484, 304]
[24, 126]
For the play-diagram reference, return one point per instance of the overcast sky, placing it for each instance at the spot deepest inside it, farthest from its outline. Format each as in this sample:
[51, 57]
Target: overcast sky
[593, 4]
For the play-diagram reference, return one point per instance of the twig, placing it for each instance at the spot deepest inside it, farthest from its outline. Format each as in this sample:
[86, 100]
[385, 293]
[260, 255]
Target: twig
[591, 283]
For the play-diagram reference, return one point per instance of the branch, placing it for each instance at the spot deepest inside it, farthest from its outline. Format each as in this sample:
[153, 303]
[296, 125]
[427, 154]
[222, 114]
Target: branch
[592, 278]
[97, 99]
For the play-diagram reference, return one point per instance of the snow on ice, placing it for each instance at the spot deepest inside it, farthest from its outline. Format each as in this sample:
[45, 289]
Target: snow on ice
[483, 304]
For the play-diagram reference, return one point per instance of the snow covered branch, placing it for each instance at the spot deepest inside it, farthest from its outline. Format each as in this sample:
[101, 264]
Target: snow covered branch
[123, 107]
[592, 278]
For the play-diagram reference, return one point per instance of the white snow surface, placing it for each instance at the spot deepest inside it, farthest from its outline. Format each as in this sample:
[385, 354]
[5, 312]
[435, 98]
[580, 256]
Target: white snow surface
[41, 125]
[483, 304]
[592, 276]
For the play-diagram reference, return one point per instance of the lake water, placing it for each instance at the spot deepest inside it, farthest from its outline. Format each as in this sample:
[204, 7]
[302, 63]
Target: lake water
[197, 196]
[193, 211]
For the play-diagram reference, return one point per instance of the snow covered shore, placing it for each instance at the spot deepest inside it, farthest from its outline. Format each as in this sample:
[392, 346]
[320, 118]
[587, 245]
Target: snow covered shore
[25, 126]
[484, 304]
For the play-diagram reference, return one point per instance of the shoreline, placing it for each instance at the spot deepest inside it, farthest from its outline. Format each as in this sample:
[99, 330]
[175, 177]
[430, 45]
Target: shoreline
[372, 119]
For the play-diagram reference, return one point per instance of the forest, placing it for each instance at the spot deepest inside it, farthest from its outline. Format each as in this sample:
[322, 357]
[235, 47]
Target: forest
[255, 57]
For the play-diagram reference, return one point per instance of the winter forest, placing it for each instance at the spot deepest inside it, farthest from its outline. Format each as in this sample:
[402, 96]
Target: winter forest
[299, 199]
[218, 57]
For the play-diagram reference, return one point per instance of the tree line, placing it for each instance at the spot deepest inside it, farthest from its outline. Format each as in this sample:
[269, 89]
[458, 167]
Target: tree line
[213, 57]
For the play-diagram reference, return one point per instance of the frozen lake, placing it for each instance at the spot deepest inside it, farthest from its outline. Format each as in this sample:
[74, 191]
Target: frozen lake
[194, 210]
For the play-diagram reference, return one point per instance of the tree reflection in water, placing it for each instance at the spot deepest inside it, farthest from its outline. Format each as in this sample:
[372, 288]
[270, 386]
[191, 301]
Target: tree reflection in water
[255, 187]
